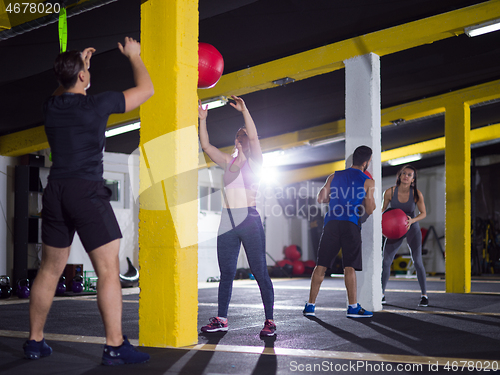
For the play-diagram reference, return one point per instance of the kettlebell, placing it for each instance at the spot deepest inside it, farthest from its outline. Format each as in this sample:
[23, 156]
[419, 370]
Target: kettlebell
[5, 289]
[77, 284]
[23, 288]
[61, 286]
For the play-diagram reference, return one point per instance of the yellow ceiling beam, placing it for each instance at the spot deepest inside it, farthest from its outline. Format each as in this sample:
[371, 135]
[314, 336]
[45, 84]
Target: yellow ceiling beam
[437, 104]
[331, 57]
[309, 173]
[15, 145]
[486, 133]
[33, 140]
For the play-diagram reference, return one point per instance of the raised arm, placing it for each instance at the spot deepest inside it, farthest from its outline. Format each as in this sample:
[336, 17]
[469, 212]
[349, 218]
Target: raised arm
[324, 193]
[143, 89]
[218, 157]
[253, 137]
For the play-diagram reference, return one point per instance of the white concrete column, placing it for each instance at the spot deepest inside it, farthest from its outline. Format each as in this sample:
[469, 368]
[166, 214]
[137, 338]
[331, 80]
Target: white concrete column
[362, 113]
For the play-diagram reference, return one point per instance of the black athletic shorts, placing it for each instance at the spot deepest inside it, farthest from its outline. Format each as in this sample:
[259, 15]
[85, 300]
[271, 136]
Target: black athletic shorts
[340, 234]
[79, 205]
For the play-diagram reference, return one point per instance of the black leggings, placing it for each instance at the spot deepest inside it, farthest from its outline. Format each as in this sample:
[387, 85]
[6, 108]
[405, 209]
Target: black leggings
[242, 225]
[414, 239]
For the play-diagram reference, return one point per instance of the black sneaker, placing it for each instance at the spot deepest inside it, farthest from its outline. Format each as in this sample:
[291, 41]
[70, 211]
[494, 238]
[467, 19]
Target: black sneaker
[424, 301]
[123, 354]
[36, 349]
[383, 300]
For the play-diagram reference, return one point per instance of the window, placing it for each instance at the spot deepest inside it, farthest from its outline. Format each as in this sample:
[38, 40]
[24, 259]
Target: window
[209, 199]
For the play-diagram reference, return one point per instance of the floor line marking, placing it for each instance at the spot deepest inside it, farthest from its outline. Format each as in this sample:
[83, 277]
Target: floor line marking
[357, 356]
[307, 353]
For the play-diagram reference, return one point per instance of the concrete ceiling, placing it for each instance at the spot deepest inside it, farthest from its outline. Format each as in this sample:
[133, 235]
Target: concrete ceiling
[268, 38]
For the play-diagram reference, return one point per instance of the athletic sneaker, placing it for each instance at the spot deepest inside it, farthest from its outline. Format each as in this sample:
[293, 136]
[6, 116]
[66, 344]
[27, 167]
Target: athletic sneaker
[358, 312]
[424, 301]
[269, 328]
[383, 300]
[309, 309]
[216, 324]
[35, 350]
[123, 354]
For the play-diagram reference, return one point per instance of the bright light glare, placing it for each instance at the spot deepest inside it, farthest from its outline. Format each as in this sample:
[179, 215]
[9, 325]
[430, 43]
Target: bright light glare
[487, 27]
[214, 102]
[122, 129]
[269, 176]
[273, 158]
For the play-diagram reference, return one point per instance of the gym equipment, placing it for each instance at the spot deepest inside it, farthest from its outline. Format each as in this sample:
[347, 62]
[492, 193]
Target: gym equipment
[210, 66]
[293, 252]
[285, 267]
[23, 288]
[61, 286]
[5, 288]
[242, 273]
[77, 284]
[309, 266]
[298, 267]
[394, 222]
[401, 264]
[131, 277]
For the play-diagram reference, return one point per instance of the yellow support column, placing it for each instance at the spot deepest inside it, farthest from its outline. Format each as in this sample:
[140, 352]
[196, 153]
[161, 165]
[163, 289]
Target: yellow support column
[458, 205]
[168, 215]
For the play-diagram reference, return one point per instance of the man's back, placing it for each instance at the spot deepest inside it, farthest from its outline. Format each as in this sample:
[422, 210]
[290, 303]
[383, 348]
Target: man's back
[75, 125]
[347, 192]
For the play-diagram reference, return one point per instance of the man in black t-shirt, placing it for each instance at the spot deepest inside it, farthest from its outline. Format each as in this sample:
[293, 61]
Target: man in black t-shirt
[76, 199]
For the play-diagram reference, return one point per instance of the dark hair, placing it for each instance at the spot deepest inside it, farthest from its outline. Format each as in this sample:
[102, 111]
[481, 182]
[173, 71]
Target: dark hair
[414, 183]
[243, 127]
[67, 66]
[361, 154]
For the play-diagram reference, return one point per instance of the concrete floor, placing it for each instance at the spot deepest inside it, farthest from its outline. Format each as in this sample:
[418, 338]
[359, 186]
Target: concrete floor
[455, 329]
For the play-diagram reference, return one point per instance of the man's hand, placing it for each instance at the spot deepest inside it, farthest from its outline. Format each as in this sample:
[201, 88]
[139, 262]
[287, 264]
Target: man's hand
[131, 48]
[86, 55]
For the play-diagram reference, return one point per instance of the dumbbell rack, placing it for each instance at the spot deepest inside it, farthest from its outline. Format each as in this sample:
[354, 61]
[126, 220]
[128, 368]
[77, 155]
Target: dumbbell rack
[89, 282]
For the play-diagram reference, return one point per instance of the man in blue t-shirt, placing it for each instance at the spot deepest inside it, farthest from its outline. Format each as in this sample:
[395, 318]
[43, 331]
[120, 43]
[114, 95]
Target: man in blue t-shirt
[76, 199]
[349, 194]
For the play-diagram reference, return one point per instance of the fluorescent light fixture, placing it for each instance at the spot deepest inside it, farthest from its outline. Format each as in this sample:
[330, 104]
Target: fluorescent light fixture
[483, 28]
[122, 129]
[405, 159]
[215, 102]
[327, 141]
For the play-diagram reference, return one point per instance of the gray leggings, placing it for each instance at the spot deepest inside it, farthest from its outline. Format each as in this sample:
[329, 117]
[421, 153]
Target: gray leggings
[414, 239]
[242, 225]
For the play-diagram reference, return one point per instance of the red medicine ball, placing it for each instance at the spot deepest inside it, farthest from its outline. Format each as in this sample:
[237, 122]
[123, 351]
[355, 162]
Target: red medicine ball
[293, 252]
[210, 65]
[298, 267]
[394, 222]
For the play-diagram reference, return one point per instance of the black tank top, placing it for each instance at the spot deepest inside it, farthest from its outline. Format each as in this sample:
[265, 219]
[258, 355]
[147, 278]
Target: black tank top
[407, 207]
